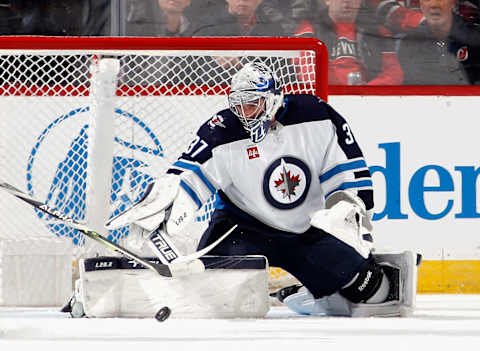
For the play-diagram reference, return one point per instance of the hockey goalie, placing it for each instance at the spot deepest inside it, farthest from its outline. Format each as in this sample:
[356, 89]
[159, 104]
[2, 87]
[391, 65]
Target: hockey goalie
[290, 177]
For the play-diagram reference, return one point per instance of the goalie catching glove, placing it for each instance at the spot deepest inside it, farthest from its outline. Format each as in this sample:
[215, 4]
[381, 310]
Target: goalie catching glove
[346, 219]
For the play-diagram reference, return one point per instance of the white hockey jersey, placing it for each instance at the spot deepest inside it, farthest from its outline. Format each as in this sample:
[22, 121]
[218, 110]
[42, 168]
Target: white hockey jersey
[309, 153]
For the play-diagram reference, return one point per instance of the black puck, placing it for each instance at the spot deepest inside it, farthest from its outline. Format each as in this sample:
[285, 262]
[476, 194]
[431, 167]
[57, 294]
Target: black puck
[162, 314]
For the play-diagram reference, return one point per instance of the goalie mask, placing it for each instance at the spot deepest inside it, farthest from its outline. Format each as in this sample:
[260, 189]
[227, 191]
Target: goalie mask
[255, 97]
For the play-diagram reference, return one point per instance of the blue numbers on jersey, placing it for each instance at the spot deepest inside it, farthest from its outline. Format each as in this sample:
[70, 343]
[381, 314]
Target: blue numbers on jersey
[349, 140]
[197, 145]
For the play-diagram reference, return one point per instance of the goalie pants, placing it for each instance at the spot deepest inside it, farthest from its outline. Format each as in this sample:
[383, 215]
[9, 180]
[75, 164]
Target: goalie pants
[317, 259]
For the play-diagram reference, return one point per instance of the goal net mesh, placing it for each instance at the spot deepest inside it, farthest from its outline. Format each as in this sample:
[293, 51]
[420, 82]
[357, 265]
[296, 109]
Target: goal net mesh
[61, 109]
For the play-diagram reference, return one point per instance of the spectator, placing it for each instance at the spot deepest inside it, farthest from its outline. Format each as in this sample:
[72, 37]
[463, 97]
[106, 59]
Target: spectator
[61, 17]
[469, 9]
[357, 54]
[98, 21]
[287, 13]
[443, 50]
[204, 10]
[10, 20]
[400, 18]
[52, 18]
[394, 16]
[241, 18]
[160, 18]
[237, 18]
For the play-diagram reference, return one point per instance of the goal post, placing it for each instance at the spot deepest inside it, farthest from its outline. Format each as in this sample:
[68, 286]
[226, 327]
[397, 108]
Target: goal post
[87, 123]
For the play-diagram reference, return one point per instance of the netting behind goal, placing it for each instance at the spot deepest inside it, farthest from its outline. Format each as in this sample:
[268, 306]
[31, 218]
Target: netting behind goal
[87, 123]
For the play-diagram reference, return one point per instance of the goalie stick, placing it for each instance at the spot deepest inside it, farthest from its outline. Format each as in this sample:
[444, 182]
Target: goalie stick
[186, 265]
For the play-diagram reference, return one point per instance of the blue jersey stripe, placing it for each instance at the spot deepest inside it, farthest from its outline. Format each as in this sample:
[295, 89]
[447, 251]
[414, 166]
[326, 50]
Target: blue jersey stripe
[191, 193]
[342, 168]
[350, 185]
[196, 169]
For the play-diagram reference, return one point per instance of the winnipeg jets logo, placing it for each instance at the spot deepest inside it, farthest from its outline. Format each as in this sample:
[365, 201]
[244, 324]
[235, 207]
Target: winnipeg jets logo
[216, 120]
[286, 183]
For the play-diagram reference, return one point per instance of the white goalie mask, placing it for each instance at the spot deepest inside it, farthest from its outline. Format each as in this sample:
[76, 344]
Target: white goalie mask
[255, 97]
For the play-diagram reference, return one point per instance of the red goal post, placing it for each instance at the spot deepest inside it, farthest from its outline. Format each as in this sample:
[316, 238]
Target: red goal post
[87, 123]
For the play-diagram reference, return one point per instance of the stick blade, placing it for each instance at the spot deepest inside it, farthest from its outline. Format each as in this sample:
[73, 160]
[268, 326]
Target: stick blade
[162, 269]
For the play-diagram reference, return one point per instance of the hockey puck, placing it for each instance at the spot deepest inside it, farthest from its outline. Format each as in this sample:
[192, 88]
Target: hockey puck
[163, 313]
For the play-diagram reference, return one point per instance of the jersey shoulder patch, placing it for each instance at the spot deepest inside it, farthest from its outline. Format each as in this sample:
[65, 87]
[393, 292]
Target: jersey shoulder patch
[222, 128]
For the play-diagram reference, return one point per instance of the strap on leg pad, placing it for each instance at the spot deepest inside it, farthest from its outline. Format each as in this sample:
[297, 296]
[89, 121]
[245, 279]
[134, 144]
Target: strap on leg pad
[365, 285]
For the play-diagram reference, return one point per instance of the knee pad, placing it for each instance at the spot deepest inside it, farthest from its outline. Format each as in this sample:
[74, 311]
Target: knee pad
[365, 284]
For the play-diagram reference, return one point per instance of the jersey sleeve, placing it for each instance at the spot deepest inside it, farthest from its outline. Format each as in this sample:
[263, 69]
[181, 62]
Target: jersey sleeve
[344, 166]
[200, 176]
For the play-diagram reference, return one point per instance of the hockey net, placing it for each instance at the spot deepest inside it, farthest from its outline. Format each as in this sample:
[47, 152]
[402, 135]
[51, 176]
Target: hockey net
[87, 123]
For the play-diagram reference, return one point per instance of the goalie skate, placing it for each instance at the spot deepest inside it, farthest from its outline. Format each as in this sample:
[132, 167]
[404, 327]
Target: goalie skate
[401, 271]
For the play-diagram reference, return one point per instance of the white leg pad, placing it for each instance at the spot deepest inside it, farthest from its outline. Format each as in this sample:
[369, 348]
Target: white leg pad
[235, 288]
[407, 263]
[401, 304]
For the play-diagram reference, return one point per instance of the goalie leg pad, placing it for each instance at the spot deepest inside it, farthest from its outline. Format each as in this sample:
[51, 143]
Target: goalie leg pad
[231, 287]
[401, 271]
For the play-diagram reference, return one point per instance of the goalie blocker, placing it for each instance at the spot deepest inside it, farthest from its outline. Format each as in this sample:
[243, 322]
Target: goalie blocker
[231, 287]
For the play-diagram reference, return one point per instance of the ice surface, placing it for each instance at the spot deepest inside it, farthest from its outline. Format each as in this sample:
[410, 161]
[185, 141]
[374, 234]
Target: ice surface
[441, 322]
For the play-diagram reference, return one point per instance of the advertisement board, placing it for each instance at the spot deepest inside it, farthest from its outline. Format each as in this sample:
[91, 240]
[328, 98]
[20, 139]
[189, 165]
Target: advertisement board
[422, 152]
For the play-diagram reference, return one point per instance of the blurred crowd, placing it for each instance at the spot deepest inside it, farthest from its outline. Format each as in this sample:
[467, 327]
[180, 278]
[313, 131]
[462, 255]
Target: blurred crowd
[373, 42]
